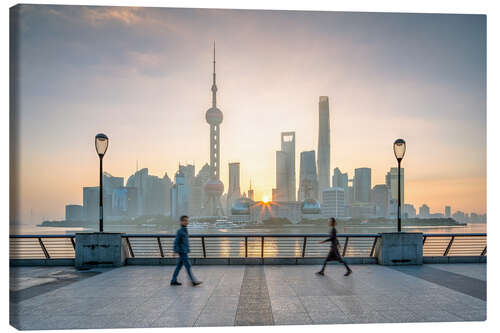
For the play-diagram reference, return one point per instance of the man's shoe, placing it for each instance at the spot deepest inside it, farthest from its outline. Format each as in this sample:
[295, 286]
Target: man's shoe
[348, 273]
[195, 283]
[175, 283]
[320, 273]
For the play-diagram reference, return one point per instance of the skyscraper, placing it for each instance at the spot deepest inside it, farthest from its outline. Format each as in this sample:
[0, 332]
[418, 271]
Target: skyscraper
[285, 168]
[362, 184]
[324, 144]
[251, 192]
[214, 187]
[333, 202]
[341, 180]
[381, 199]
[424, 212]
[91, 203]
[179, 196]
[447, 211]
[233, 192]
[392, 180]
[308, 179]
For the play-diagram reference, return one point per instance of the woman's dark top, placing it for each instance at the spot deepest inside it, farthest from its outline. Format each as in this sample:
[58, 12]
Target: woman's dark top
[333, 238]
[334, 251]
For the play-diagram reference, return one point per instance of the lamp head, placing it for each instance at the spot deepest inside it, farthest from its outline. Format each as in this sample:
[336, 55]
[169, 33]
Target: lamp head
[101, 144]
[399, 149]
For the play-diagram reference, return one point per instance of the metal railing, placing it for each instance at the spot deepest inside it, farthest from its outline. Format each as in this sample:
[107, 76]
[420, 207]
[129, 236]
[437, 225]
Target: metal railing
[42, 246]
[246, 245]
[250, 245]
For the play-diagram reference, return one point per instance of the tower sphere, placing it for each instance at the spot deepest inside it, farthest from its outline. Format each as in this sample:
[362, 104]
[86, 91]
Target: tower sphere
[214, 116]
[214, 187]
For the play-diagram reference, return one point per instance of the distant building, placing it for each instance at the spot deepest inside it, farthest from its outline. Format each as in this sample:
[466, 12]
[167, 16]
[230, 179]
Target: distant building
[251, 194]
[308, 180]
[447, 211]
[151, 193]
[409, 211]
[381, 198]
[310, 210]
[333, 203]
[291, 210]
[110, 183]
[362, 184]
[392, 182]
[91, 203]
[167, 183]
[362, 210]
[285, 168]
[424, 212]
[180, 196]
[233, 191]
[341, 180]
[240, 212]
[74, 213]
[459, 216]
[197, 195]
[323, 144]
[124, 202]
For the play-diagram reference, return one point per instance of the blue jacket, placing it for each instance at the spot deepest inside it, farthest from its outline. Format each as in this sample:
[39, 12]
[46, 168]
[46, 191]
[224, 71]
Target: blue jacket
[181, 243]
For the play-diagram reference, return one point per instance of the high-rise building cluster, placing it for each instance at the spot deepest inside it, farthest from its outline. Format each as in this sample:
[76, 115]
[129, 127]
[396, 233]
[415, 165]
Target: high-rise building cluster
[202, 194]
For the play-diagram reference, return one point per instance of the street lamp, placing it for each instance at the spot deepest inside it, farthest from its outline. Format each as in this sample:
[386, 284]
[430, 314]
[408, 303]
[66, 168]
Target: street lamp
[399, 152]
[101, 145]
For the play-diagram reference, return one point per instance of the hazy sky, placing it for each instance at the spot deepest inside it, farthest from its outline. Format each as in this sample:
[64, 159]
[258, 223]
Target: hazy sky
[143, 77]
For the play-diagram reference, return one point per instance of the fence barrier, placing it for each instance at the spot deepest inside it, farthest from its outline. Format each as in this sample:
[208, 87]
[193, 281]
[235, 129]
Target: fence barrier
[246, 245]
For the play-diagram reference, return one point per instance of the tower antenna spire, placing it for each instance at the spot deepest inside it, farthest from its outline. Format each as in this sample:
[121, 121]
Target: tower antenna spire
[214, 86]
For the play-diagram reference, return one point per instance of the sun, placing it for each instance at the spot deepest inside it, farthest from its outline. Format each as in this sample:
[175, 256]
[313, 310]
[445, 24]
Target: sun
[265, 199]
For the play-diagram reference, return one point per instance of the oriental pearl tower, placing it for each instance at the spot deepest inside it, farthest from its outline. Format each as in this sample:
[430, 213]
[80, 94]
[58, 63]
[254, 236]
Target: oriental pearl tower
[214, 187]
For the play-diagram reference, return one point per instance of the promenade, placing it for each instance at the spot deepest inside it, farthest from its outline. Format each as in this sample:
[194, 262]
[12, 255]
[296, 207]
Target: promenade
[140, 296]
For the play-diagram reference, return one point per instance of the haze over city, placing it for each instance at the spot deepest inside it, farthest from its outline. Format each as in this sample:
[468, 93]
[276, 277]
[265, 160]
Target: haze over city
[143, 77]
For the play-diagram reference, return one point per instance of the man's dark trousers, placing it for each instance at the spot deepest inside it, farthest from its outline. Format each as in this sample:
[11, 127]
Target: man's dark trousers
[183, 259]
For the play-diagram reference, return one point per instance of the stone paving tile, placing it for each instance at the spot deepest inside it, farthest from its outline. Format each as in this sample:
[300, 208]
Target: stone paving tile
[287, 304]
[140, 296]
[470, 270]
[291, 318]
[329, 317]
[216, 318]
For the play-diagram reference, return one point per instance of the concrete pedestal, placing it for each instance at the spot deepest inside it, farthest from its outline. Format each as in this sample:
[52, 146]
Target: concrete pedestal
[99, 249]
[400, 248]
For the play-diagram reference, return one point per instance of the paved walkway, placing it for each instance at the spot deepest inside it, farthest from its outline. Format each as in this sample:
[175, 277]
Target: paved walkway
[140, 296]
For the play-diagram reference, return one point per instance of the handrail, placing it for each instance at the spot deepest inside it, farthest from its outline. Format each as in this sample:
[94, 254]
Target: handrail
[252, 235]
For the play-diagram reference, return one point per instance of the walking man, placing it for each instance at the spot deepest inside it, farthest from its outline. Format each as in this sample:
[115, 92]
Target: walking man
[181, 247]
[334, 253]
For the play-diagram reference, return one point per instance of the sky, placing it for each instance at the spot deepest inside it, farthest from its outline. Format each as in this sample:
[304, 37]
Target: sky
[143, 77]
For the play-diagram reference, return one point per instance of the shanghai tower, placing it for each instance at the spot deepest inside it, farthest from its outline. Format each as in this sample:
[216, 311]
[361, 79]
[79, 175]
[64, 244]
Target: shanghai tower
[323, 146]
[214, 187]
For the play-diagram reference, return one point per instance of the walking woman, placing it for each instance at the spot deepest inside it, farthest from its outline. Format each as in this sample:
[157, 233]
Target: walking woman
[334, 253]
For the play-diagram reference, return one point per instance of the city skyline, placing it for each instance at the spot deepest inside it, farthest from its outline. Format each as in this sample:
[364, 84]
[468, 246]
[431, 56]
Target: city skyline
[456, 175]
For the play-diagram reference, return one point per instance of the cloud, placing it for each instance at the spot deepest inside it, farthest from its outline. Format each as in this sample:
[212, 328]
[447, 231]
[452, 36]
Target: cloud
[101, 15]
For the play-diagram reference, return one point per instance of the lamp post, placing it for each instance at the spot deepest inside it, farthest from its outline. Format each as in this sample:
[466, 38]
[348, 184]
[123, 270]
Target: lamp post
[101, 145]
[399, 152]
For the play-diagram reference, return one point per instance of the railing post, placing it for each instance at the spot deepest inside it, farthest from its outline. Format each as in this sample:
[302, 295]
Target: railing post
[47, 256]
[129, 247]
[345, 245]
[246, 247]
[73, 242]
[159, 245]
[262, 247]
[449, 246]
[373, 246]
[203, 246]
[484, 252]
[304, 247]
